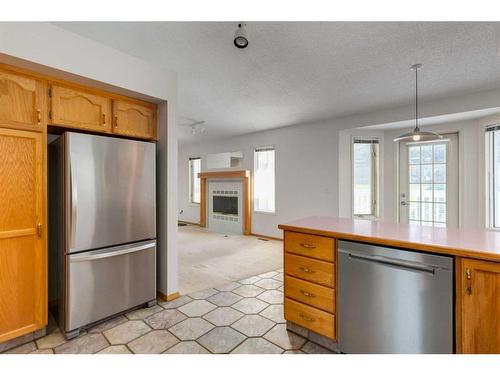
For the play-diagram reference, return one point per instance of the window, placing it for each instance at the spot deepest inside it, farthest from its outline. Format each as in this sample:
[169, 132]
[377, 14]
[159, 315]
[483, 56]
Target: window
[194, 180]
[263, 180]
[365, 177]
[493, 180]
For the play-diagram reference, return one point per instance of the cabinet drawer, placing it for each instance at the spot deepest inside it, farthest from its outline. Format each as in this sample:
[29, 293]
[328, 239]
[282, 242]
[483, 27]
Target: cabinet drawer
[308, 317]
[309, 293]
[308, 269]
[310, 246]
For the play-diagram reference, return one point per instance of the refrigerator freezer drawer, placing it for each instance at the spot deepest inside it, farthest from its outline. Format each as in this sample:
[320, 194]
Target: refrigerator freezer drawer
[104, 282]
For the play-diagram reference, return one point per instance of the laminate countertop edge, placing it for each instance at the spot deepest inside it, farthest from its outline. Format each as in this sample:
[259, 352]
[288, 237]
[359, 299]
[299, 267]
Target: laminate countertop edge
[329, 230]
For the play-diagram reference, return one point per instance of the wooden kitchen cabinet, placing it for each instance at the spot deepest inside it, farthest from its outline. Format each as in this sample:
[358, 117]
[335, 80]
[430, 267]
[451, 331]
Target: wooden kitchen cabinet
[22, 101]
[23, 255]
[134, 120]
[478, 306]
[79, 109]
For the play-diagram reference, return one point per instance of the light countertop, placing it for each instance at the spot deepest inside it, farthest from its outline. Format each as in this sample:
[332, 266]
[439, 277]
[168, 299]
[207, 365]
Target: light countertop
[471, 243]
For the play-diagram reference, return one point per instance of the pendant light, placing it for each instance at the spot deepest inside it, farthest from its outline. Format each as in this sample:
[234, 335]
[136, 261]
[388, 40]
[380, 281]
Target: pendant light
[417, 135]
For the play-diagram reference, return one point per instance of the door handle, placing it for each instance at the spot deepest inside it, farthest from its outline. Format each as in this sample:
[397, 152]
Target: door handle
[393, 262]
[403, 203]
[308, 246]
[39, 230]
[111, 253]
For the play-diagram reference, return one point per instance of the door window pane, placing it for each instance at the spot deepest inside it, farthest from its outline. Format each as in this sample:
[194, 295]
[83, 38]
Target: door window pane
[194, 180]
[427, 184]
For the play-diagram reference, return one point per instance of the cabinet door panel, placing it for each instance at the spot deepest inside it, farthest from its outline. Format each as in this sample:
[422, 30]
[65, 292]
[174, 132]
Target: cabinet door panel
[23, 263]
[80, 110]
[22, 103]
[480, 314]
[134, 120]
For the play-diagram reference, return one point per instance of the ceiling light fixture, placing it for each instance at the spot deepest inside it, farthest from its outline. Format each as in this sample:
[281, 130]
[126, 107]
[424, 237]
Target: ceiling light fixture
[417, 135]
[240, 36]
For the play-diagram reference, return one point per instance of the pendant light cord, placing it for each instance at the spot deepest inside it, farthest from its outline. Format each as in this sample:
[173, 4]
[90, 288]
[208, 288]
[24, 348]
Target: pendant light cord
[416, 99]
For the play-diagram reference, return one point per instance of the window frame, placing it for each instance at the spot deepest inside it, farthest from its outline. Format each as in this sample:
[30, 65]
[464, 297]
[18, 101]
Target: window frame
[374, 178]
[191, 191]
[255, 151]
[490, 134]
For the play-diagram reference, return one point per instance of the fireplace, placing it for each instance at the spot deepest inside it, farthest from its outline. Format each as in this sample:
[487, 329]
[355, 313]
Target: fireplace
[225, 205]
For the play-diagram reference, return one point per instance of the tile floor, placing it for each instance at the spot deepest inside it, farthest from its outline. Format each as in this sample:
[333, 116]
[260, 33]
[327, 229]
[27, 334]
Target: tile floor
[244, 317]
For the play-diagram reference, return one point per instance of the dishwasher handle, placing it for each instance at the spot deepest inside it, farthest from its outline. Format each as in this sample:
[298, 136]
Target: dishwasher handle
[393, 262]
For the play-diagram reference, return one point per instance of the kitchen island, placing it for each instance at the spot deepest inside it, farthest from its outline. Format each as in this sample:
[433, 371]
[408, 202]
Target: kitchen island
[311, 269]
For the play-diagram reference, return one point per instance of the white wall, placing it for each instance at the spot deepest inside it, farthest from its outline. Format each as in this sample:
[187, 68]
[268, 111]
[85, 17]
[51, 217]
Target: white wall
[306, 172]
[48, 49]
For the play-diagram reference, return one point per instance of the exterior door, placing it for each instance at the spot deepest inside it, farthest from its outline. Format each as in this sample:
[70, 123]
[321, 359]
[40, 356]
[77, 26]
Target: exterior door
[22, 102]
[479, 316]
[428, 182]
[23, 257]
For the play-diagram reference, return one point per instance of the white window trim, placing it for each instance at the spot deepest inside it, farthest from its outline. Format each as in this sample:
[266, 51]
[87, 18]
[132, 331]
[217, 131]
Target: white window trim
[375, 179]
[489, 178]
[190, 188]
[264, 212]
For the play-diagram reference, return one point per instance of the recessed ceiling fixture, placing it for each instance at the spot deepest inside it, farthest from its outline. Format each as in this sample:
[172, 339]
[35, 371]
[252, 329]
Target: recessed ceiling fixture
[417, 135]
[240, 36]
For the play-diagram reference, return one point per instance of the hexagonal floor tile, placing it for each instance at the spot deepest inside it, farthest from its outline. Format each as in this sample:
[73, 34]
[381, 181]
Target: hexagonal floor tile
[154, 342]
[115, 349]
[275, 313]
[271, 296]
[165, 319]
[223, 316]
[248, 290]
[268, 283]
[203, 294]
[221, 340]
[197, 308]
[228, 287]
[253, 325]
[250, 305]
[268, 274]
[86, 344]
[187, 347]
[126, 332]
[313, 348]
[191, 328]
[143, 313]
[108, 324]
[257, 346]
[178, 302]
[224, 298]
[287, 340]
[249, 280]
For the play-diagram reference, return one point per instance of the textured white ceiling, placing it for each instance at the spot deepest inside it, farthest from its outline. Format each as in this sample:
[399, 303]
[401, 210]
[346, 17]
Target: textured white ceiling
[300, 72]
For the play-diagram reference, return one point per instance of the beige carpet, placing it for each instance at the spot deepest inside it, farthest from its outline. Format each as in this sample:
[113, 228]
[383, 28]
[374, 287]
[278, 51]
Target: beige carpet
[208, 259]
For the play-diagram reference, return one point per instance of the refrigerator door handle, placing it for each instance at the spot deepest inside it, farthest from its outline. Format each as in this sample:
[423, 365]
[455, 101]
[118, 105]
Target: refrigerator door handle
[99, 254]
[74, 201]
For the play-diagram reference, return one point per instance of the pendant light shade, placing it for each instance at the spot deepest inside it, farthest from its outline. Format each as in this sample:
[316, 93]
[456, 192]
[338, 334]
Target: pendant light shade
[417, 135]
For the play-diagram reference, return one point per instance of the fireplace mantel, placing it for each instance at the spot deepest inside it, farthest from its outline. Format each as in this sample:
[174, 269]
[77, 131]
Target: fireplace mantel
[245, 177]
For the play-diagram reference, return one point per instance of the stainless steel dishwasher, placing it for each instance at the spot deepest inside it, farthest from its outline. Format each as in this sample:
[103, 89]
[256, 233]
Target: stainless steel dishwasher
[394, 301]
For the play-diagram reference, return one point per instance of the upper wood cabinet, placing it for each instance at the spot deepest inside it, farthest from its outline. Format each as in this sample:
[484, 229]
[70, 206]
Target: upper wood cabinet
[478, 307]
[22, 102]
[23, 255]
[79, 109]
[134, 120]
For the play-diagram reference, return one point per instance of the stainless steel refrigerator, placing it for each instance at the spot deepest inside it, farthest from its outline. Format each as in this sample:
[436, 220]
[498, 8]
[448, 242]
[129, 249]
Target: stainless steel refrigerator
[102, 235]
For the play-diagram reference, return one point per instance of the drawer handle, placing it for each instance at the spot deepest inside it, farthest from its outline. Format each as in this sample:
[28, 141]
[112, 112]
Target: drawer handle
[307, 270]
[307, 294]
[307, 318]
[308, 246]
